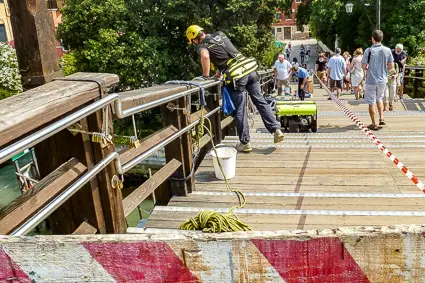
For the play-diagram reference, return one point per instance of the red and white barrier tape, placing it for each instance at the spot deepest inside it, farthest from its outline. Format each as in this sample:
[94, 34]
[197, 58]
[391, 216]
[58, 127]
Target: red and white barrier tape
[375, 140]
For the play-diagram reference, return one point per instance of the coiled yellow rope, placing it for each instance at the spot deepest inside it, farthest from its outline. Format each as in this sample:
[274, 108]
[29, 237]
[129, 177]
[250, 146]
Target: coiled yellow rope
[213, 221]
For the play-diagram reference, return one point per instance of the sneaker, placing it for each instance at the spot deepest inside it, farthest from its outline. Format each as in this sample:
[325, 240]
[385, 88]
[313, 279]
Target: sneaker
[244, 147]
[278, 136]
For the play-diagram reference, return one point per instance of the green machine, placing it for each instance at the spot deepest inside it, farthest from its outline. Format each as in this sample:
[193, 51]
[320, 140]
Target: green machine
[297, 116]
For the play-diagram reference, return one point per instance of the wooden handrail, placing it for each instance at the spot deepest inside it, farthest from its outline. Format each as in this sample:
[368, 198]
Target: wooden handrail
[32, 200]
[143, 191]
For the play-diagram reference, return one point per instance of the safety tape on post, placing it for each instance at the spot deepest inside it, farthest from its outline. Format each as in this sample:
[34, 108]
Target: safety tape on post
[375, 140]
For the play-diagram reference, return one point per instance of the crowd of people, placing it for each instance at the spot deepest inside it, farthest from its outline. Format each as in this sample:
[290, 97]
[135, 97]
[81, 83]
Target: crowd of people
[375, 75]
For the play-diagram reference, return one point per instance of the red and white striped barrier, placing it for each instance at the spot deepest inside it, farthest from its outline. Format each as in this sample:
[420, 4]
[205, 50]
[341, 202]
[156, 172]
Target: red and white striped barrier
[376, 141]
[362, 255]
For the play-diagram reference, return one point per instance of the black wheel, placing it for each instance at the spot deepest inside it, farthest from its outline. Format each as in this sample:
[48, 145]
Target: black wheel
[314, 124]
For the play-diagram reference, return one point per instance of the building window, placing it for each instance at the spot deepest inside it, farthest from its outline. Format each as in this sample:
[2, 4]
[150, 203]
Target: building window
[278, 16]
[288, 16]
[3, 36]
[278, 29]
[52, 5]
[298, 1]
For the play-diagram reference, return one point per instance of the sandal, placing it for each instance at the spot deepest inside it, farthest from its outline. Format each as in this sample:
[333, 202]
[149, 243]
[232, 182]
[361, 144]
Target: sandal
[390, 107]
[382, 123]
[373, 127]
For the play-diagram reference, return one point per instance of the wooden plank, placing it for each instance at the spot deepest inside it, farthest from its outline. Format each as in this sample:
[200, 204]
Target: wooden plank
[85, 229]
[130, 153]
[226, 122]
[32, 200]
[197, 115]
[145, 95]
[148, 187]
[20, 114]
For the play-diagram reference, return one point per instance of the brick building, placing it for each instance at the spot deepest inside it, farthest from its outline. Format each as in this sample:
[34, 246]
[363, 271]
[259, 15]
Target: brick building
[286, 28]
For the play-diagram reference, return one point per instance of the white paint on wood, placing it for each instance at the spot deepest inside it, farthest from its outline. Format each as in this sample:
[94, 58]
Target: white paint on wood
[56, 262]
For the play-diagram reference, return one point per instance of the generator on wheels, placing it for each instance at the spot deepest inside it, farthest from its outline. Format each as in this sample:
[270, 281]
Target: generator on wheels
[297, 116]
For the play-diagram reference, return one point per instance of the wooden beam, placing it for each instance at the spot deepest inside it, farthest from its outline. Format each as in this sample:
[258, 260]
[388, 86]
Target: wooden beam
[35, 41]
[85, 229]
[226, 122]
[28, 111]
[195, 116]
[146, 95]
[148, 187]
[32, 200]
[128, 154]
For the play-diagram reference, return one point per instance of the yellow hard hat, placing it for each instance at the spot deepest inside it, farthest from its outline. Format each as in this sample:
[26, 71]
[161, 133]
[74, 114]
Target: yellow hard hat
[192, 32]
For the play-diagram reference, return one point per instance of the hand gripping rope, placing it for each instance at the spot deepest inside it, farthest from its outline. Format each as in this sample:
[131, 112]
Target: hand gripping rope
[208, 220]
[374, 139]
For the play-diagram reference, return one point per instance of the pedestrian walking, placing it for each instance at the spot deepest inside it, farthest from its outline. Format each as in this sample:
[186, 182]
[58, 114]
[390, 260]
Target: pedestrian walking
[356, 71]
[282, 71]
[391, 90]
[321, 67]
[336, 72]
[376, 62]
[400, 59]
[347, 77]
[240, 76]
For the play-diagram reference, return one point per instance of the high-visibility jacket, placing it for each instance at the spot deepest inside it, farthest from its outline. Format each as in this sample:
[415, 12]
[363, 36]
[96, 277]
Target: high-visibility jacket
[224, 55]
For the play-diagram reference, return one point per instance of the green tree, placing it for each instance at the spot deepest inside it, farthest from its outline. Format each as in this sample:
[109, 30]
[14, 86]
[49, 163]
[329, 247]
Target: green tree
[401, 22]
[143, 41]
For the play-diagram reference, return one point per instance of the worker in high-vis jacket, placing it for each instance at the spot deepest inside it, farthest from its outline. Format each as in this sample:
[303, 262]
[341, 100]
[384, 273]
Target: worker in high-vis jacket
[239, 73]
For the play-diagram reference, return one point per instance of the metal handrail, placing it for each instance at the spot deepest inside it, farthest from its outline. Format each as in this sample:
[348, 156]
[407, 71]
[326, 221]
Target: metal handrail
[48, 209]
[56, 127]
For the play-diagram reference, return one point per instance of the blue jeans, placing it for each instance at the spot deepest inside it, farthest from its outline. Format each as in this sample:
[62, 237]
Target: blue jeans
[251, 84]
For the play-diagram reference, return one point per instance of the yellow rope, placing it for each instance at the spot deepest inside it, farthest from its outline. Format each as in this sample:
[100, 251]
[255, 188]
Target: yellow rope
[213, 221]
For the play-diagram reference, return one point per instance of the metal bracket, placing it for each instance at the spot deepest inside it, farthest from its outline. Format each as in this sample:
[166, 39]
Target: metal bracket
[75, 128]
[172, 106]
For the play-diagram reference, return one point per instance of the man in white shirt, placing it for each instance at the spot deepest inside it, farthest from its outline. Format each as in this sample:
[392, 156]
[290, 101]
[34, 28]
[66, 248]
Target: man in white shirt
[336, 72]
[282, 70]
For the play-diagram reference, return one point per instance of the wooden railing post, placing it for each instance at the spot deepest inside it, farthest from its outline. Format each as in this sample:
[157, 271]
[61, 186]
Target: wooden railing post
[213, 101]
[97, 202]
[181, 148]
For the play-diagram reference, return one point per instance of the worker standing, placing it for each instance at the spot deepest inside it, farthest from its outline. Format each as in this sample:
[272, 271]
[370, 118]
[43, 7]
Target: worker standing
[240, 75]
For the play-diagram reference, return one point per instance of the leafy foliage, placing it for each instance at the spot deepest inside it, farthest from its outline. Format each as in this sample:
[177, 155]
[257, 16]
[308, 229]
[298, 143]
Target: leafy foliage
[143, 41]
[10, 78]
[401, 22]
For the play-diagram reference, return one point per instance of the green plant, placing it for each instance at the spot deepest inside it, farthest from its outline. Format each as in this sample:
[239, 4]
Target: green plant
[10, 78]
[68, 64]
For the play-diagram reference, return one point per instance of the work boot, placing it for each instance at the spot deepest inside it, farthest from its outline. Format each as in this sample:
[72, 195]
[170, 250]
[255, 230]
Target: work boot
[278, 136]
[244, 147]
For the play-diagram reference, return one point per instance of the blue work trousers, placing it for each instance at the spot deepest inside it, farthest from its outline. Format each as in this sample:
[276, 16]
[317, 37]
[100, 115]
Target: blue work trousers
[250, 83]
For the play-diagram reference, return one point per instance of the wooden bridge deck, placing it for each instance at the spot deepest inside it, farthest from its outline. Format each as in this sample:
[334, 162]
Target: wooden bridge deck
[322, 171]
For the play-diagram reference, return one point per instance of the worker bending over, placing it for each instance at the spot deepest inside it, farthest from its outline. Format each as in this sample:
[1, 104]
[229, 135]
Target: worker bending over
[240, 75]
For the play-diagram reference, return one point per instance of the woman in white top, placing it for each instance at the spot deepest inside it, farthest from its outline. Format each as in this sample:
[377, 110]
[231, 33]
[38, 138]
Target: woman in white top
[357, 72]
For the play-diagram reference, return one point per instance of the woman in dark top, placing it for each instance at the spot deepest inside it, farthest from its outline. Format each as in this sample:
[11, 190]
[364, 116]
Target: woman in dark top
[321, 67]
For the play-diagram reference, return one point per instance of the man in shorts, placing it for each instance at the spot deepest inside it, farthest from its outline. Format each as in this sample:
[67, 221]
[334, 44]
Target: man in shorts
[282, 70]
[336, 72]
[376, 62]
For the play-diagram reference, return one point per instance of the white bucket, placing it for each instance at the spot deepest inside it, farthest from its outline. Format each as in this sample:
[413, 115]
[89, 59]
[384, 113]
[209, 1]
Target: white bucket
[227, 156]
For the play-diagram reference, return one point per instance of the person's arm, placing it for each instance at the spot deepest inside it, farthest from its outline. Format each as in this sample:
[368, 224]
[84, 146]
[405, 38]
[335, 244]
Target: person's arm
[316, 67]
[205, 62]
